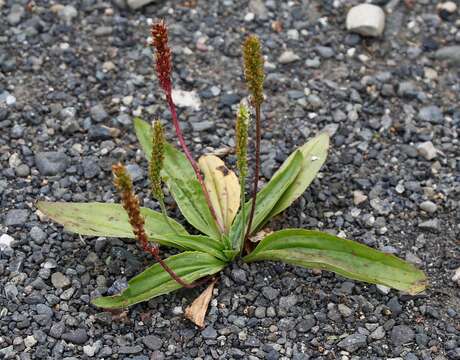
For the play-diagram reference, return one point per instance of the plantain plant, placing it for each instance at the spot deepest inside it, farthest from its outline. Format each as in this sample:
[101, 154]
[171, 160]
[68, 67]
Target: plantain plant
[212, 199]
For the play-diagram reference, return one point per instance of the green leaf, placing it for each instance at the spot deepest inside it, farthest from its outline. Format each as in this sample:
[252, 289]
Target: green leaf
[103, 219]
[267, 198]
[314, 249]
[154, 281]
[314, 155]
[144, 134]
[181, 180]
[200, 243]
[111, 220]
[192, 204]
[230, 254]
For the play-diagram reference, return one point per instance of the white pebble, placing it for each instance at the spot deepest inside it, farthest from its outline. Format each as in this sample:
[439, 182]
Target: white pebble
[10, 100]
[429, 206]
[177, 310]
[383, 289]
[249, 17]
[456, 276]
[363, 58]
[427, 150]
[288, 56]
[366, 19]
[358, 197]
[351, 52]
[5, 242]
[186, 99]
[293, 34]
[30, 341]
[355, 212]
[448, 6]
[187, 51]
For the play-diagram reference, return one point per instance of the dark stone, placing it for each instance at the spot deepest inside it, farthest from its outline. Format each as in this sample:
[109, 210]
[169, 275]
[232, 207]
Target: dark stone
[57, 330]
[270, 293]
[209, 333]
[78, 336]
[130, 349]
[306, 324]
[239, 276]
[152, 342]
[51, 162]
[96, 133]
[98, 113]
[429, 44]
[16, 217]
[91, 167]
[401, 335]
[431, 114]
[353, 342]
[229, 99]
[394, 306]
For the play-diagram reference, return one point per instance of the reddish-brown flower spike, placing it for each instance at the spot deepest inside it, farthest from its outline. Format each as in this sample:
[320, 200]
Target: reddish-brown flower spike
[130, 202]
[124, 184]
[162, 54]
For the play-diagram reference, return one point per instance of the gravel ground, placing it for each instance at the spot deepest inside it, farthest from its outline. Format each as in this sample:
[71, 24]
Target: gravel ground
[73, 75]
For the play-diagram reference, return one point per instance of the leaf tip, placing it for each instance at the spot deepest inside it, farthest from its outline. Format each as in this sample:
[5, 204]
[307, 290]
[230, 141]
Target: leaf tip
[40, 204]
[45, 207]
[108, 302]
[418, 286]
[324, 136]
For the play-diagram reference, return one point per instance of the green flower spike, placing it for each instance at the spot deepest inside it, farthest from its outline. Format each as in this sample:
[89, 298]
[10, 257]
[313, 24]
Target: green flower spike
[254, 68]
[155, 166]
[241, 130]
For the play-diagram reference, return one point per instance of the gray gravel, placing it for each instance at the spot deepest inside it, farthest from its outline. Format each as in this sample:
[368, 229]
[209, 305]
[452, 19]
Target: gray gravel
[73, 75]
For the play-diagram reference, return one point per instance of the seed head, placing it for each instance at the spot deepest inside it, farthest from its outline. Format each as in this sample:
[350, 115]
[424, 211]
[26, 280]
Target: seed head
[124, 184]
[242, 124]
[254, 68]
[157, 159]
[162, 54]
[121, 178]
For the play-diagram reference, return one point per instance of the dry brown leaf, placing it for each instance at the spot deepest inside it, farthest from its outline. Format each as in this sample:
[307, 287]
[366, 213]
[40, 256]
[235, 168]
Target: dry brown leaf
[223, 188]
[260, 235]
[197, 310]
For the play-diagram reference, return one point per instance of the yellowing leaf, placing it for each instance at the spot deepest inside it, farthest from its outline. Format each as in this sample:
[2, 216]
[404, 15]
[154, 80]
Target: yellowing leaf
[197, 311]
[223, 188]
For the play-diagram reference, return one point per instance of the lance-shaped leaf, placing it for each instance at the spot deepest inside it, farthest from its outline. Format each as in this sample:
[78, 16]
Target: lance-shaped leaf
[223, 188]
[314, 154]
[267, 198]
[181, 180]
[314, 249]
[111, 220]
[104, 219]
[154, 281]
[200, 243]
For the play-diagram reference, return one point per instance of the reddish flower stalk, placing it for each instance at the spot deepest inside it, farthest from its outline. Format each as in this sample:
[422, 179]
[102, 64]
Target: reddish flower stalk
[130, 202]
[163, 68]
